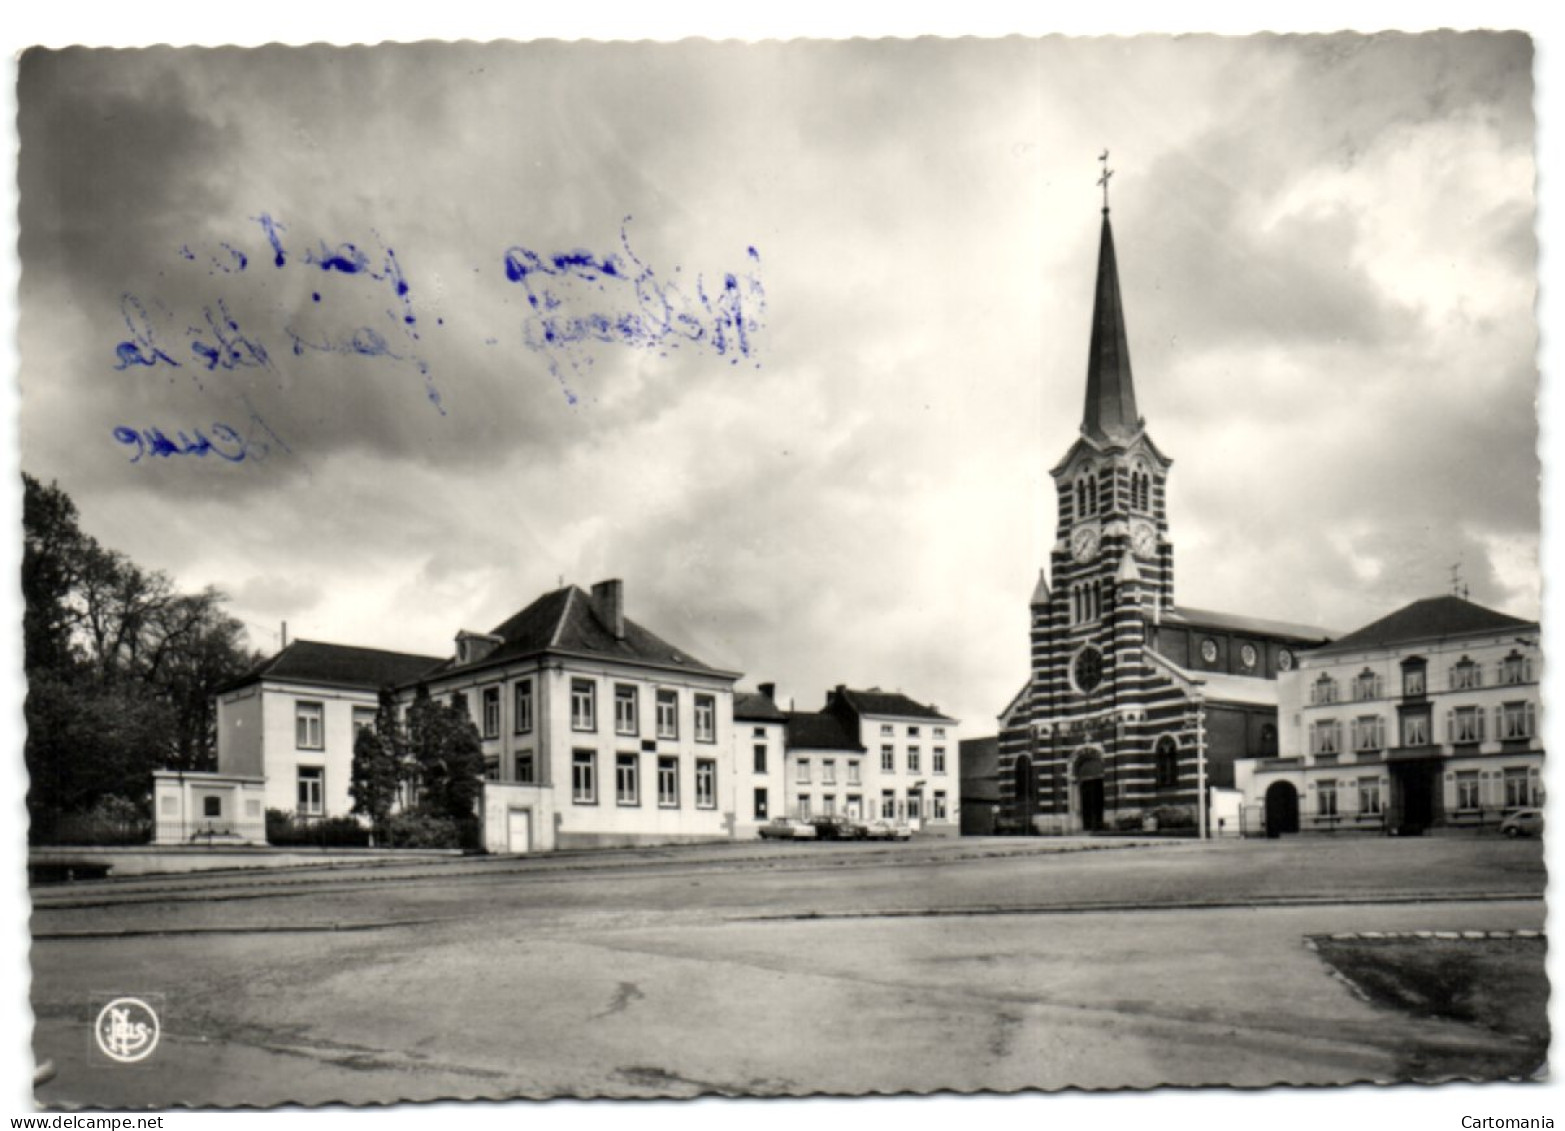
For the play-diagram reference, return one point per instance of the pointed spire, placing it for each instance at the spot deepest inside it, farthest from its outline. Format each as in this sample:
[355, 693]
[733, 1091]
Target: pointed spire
[1111, 395]
[1040, 593]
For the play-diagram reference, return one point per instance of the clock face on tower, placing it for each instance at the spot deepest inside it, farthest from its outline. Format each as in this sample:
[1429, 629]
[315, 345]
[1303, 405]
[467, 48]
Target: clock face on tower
[1143, 540]
[1084, 543]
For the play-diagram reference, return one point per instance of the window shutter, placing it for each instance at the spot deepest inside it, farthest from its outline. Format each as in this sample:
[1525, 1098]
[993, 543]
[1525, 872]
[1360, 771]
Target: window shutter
[1450, 726]
[1480, 725]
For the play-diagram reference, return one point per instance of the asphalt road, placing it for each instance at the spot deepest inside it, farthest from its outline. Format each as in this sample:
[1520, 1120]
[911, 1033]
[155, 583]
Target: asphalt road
[763, 969]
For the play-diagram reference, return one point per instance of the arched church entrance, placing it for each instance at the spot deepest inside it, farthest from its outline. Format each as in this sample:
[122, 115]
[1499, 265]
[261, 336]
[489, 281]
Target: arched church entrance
[1088, 776]
[1025, 794]
[1282, 809]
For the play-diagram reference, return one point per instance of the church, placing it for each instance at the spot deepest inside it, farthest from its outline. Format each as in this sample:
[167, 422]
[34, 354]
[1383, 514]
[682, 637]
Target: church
[1136, 708]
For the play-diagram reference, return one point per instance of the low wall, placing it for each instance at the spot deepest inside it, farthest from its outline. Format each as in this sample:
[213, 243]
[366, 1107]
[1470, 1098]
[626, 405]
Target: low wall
[155, 860]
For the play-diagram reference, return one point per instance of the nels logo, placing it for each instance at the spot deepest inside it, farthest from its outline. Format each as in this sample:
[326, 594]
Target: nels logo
[127, 1030]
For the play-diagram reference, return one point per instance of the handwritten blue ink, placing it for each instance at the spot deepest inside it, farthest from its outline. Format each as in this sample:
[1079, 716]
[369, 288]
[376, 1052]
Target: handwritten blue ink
[225, 443]
[233, 349]
[142, 347]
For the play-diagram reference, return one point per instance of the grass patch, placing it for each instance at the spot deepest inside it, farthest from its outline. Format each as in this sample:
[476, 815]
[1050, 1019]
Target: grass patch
[1497, 985]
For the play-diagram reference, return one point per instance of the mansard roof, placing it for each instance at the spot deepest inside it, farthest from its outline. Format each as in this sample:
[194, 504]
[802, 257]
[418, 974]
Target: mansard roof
[565, 621]
[820, 730]
[1431, 619]
[878, 702]
[338, 665]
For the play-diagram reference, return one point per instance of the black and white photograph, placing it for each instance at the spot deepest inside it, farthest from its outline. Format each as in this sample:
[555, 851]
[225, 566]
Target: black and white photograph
[616, 568]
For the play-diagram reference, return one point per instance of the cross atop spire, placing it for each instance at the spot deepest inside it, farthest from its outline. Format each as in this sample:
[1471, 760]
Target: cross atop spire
[1103, 179]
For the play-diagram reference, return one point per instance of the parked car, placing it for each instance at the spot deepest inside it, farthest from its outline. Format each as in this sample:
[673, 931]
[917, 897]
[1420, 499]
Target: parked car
[1523, 822]
[838, 828]
[885, 830]
[787, 828]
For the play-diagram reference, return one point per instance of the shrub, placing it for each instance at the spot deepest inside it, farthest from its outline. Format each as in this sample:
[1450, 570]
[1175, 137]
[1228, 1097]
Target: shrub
[111, 821]
[422, 829]
[1174, 817]
[287, 830]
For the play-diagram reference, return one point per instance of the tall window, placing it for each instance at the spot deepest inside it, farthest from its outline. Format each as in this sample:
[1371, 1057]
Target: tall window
[1465, 675]
[363, 719]
[526, 768]
[491, 712]
[760, 804]
[1467, 790]
[1369, 796]
[524, 706]
[584, 777]
[312, 791]
[491, 767]
[804, 806]
[1515, 668]
[888, 804]
[1414, 682]
[1167, 762]
[1369, 733]
[307, 726]
[801, 771]
[828, 771]
[668, 713]
[912, 759]
[853, 771]
[706, 783]
[939, 812]
[627, 780]
[829, 805]
[1516, 721]
[1415, 728]
[626, 717]
[1465, 725]
[760, 757]
[1324, 690]
[1366, 685]
[937, 760]
[915, 804]
[584, 705]
[668, 782]
[888, 759]
[1326, 798]
[1516, 792]
[706, 718]
[1326, 737]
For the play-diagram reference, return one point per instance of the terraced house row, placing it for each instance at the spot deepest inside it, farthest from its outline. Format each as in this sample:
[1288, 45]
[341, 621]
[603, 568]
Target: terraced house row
[595, 731]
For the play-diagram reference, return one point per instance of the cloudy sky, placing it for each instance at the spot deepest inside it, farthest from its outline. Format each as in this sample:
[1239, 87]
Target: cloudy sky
[822, 333]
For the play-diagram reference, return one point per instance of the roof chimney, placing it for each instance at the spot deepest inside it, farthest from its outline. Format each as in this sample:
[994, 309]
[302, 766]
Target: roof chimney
[769, 690]
[608, 601]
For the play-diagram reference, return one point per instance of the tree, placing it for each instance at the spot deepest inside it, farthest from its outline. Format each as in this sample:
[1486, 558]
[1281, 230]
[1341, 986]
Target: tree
[445, 745]
[121, 667]
[378, 765]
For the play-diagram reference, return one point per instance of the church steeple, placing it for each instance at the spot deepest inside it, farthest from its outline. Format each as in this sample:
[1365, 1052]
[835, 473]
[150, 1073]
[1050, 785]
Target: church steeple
[1111, 394]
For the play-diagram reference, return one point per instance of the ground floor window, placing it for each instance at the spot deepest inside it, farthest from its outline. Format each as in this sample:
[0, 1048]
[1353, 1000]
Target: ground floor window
[212, 806]
[627, 780]
[706, 783]
[888, 804]
[1467, 789]
[668, 783]
[940, 812]
[1517, 794]
[804, 806]
[915, 806]
[1369, 796]
[1326, 798]
[584, 777]
[760, 804]
[312, 789]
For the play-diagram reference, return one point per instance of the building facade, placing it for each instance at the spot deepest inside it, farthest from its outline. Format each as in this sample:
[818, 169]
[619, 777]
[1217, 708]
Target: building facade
[1135, 707]
[1424, 719]
[876, 755]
